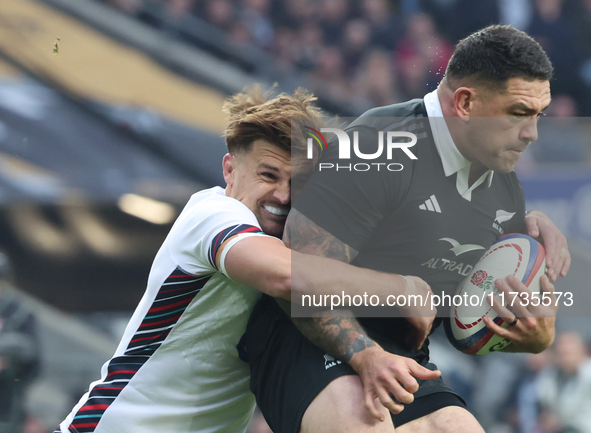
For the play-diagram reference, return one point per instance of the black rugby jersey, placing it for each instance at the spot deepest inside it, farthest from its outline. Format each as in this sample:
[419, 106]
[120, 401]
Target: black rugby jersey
[412, 221]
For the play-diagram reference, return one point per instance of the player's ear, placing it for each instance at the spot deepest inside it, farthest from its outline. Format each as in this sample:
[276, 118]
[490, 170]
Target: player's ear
[464, 102]
[228, 166]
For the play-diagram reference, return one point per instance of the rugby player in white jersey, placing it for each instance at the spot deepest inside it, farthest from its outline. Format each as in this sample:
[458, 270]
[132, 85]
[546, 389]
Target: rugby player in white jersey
[178, 368]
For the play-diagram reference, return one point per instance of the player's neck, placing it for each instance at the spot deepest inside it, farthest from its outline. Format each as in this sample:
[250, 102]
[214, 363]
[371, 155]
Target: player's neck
[476, 170]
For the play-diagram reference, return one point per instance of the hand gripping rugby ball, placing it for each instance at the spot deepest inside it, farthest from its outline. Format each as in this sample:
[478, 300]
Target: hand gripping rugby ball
[513, 254]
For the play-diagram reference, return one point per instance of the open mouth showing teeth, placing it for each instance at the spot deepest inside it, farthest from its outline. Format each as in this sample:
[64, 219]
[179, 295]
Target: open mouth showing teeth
[276, 210]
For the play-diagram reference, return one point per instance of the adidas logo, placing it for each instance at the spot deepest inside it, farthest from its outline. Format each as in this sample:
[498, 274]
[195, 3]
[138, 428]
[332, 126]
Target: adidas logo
[431, 205]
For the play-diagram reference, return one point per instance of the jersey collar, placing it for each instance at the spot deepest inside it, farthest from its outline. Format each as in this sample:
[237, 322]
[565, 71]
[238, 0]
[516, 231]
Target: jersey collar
[451, 158]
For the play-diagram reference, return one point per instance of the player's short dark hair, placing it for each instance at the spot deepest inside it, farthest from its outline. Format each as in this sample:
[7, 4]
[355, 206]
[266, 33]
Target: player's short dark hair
[496, 54]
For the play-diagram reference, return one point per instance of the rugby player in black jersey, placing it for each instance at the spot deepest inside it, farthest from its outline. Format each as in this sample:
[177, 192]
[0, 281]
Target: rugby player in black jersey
[434, 218]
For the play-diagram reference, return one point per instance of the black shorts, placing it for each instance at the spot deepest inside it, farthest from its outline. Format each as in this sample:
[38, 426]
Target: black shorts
[288, 372]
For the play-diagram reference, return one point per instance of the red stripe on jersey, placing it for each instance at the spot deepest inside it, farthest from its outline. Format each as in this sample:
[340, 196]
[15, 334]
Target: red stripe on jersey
[215, 245]
[94, 407]
[250, 229]
[247, 230]
[172, 319]
[166, 307]
[82, 425]
[122, 372]
[153, 337]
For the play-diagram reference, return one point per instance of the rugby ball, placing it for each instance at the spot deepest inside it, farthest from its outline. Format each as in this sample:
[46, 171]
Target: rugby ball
[513, 254]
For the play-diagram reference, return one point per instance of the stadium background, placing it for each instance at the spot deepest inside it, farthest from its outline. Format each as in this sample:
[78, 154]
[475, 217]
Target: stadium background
[103, 141]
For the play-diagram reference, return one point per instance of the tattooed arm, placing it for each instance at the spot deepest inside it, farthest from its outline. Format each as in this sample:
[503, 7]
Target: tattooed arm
[304, 236]
[341, 337]
[381, 373]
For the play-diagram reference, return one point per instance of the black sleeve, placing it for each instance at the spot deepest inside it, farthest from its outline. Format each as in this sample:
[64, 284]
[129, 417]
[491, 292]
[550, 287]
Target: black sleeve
[350, 198]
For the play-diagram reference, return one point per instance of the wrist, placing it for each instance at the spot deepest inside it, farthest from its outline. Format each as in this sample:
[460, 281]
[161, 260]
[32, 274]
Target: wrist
[548, 335]
[359, 359]
[410, 287]
[548, 340]
[402, 283]
[538, 346]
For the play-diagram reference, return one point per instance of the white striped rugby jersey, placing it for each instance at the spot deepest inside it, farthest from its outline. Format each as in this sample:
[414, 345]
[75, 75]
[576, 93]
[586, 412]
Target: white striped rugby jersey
[177, 367]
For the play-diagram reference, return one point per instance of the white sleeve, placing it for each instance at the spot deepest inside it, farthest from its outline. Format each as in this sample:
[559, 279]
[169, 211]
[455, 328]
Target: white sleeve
[202, 228]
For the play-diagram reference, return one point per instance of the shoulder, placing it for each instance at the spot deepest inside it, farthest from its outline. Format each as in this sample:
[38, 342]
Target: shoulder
[412, 108]
[208, 220]
[382, 117]
[410, 116]
[209, 213]
[214, 202]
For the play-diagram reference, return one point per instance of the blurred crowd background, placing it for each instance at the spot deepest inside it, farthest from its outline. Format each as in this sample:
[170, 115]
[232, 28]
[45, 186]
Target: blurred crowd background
[110, 117]
[378, 52]
[361, 54]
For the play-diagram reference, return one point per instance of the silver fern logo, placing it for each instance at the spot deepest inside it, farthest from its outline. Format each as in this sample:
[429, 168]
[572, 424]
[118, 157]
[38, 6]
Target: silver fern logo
[501, 217]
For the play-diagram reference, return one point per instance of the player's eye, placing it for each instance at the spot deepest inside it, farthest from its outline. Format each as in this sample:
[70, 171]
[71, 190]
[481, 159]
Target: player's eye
[269, 175]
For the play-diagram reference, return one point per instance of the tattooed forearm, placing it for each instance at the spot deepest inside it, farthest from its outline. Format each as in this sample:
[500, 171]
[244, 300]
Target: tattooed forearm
[305, 236]
[341, 337]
